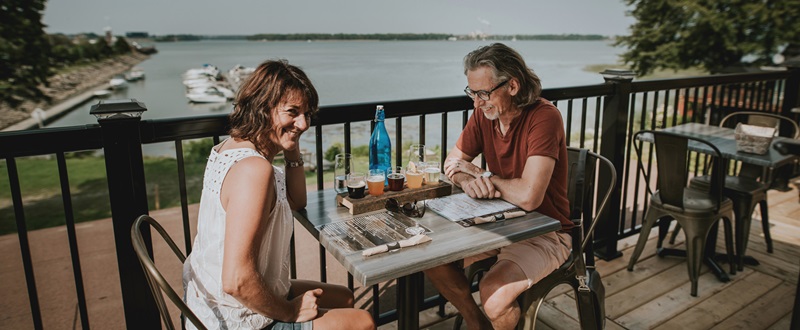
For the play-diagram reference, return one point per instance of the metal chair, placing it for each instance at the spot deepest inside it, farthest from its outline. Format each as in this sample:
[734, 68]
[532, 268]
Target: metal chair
[578, 271]
[154, 277]
[774, 178]
[749, 187]
[695, 210]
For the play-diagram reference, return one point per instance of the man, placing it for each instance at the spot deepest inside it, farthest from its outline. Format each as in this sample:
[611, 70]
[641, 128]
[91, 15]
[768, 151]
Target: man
[521, 136]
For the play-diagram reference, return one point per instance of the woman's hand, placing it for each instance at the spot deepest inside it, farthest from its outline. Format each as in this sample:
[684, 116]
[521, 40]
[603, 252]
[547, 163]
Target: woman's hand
[306, 305]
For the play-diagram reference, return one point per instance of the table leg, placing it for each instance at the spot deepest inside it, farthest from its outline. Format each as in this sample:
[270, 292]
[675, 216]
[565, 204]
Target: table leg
[710, 256]
[408, 301]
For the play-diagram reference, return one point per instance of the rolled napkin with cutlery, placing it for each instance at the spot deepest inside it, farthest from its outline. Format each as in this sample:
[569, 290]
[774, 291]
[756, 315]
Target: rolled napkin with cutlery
[414, 240]
[498, 217]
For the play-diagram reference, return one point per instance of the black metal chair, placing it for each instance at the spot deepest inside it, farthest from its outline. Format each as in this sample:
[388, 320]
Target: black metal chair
[154, 277]
[578, 271]
[777, 178]
[695, 210]
[749, 187]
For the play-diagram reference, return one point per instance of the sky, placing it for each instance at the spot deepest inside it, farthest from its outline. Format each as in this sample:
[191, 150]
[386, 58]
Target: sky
[245, 17]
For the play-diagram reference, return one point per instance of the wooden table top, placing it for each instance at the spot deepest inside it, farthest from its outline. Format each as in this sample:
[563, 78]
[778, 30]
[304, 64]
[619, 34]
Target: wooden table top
[723, 138]
[450, 241]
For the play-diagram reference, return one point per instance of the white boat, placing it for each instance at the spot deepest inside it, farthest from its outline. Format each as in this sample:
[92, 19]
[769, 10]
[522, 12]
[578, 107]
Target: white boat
[207, 70]
[134, 74]
[208, 96]
[229, 94]
[118, 83]
[240, 72]
[199, 82]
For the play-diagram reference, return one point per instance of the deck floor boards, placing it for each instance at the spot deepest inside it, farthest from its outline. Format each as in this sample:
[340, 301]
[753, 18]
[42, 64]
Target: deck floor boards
[655, 295]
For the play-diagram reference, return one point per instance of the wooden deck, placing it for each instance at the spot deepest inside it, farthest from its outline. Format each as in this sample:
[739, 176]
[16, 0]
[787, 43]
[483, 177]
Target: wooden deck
[655, 295]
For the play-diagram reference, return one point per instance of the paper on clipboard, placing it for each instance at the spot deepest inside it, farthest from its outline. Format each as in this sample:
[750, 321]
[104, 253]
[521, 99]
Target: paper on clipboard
[458, 207]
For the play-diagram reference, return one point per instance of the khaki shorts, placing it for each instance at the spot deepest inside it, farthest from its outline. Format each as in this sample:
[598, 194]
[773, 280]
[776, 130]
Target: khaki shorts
[537, 257]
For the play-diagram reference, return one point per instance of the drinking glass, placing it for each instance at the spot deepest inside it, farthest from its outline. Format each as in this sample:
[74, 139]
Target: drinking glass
[396, 178]
[414, 170]
[432, 172]
[375, 182]
[343, 164]
[414, 176]
[416, 154]
[356, 185]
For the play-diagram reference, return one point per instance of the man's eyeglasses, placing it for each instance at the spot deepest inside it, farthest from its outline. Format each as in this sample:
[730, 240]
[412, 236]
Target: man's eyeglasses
[412, 209]
[483, 95]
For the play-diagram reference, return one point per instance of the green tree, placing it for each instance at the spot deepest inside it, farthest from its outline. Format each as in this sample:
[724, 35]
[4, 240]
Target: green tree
[121, 46]
[710, 34]
[24, 51]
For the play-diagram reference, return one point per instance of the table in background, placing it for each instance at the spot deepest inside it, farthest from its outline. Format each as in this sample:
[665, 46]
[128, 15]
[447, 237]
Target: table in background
[450, 242]
[725, 140]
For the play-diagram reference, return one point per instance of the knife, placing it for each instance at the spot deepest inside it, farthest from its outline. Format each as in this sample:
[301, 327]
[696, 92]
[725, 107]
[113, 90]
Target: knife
[498, 217]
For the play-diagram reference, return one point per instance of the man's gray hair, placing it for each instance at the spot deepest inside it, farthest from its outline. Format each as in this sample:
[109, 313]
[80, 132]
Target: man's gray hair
[506, 64]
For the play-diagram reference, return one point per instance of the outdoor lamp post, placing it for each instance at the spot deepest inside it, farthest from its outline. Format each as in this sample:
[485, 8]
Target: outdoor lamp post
[614, 122]
[120, 127]
[618, 74]
[117, 109]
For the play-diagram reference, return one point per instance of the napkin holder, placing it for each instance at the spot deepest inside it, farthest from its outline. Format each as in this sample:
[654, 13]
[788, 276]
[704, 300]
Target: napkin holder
[753, 139]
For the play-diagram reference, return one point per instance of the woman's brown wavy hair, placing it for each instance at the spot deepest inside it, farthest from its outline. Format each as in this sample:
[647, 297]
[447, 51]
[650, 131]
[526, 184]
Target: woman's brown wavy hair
[271, 83]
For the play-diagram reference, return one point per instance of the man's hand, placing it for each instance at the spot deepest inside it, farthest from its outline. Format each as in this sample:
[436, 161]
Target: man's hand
[480, 188]
[306, 305]
[456, 165]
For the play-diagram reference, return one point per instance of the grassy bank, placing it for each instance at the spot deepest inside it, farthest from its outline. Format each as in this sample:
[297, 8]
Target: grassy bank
[41, 191]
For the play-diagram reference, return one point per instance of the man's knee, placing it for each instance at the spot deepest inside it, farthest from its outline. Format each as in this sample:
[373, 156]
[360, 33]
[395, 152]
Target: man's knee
[500, 288]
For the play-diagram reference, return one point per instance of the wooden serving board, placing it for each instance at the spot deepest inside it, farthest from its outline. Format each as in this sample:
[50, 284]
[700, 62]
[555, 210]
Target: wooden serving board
[374, 203]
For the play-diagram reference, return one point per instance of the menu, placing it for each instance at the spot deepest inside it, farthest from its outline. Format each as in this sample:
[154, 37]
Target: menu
[459, 207]
[368, 230]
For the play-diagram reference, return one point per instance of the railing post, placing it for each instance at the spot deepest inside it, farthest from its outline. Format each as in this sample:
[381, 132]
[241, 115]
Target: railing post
[122, 145]
[791, 99]
[614, 134]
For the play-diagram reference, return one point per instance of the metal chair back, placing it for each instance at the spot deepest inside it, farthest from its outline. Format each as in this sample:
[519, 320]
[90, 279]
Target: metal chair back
[578, 271]
[158, 283]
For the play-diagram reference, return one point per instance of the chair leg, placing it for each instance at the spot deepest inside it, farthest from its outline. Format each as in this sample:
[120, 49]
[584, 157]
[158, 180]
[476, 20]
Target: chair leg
[663, 228]
[649, 219]
[744, 217]
[528, 317]
[695, 243]
[765, 224]
[729, 244]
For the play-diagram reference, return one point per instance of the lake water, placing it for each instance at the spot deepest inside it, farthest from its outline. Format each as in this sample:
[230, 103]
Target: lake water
[349, 72]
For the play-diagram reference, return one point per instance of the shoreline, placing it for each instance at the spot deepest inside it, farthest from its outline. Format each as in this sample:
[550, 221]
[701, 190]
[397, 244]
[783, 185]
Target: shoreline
[67, 89]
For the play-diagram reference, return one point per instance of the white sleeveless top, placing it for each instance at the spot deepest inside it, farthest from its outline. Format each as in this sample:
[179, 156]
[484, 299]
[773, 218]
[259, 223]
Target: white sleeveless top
[202, 271]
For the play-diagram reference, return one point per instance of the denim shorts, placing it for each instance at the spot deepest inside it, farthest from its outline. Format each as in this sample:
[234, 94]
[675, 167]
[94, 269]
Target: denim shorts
[278, 325]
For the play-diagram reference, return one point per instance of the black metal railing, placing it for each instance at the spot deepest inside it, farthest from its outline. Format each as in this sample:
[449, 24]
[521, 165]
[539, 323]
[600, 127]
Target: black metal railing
[600, 117]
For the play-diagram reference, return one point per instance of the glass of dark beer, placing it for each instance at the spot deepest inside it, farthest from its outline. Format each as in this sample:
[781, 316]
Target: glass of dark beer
[356, 184]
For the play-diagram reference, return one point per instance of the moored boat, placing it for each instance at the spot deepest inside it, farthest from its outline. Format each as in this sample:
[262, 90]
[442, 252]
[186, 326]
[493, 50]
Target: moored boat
[134, 74]
[118, 82]
[207, 96]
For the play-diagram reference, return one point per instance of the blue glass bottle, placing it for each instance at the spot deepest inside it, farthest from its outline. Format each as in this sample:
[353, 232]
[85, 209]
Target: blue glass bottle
[380, 147]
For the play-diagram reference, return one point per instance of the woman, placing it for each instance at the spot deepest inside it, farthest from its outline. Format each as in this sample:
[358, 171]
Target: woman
[238, 274]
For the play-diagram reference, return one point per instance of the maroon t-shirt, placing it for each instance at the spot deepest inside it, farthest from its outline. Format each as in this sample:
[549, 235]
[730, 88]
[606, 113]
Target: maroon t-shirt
[538, 131]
